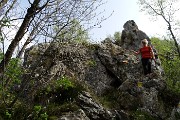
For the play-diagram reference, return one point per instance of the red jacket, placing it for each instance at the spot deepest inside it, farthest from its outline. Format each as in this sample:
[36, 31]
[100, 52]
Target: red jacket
[146, 52]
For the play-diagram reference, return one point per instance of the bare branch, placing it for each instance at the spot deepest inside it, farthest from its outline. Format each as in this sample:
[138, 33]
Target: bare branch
[163, 7]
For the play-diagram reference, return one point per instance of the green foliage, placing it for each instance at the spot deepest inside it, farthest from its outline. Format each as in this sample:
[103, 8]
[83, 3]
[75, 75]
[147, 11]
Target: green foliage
[37, 109]
[22, 111]
[38, 114]
[1, 55]
[62, 91]
[8, 115]
[44, 116]
[172, 71]
[18, 112]
[163, 46]
[14, 71]
[169, 61]
[59, 91]
[74, 32]
[117, 37]
[64, 82]
[11, 80]
[59, 96]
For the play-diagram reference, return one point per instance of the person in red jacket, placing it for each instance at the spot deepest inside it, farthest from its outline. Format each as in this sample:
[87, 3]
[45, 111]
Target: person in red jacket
[146, 56]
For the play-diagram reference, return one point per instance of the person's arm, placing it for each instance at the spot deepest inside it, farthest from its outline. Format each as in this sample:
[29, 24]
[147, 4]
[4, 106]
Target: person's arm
[136, 52]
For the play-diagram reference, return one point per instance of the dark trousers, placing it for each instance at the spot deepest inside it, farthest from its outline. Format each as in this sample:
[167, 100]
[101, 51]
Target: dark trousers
[146, 63]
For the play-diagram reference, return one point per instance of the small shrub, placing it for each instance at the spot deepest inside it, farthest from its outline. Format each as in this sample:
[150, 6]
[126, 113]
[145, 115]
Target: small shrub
[64, 82]
[8, 115]
[59, 91]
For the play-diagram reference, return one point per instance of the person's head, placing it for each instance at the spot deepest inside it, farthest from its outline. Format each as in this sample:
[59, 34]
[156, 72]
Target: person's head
[144, 42]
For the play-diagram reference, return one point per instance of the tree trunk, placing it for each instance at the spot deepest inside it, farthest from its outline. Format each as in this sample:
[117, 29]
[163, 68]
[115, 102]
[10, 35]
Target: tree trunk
[175, 41]
[22, 49]
[30, 13]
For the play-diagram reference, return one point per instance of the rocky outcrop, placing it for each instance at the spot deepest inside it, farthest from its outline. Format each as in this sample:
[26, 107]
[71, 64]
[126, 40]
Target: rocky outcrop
[77, 115]
[131, 36]
[103, 67]
[94, 110]
[63, 59]
[131, 40]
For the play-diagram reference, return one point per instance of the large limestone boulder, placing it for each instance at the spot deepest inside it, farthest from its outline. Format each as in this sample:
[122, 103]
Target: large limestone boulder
[66, 59]
[103, 67]
[131, 40]
[77, 115]
[128, 73]
[131, 36]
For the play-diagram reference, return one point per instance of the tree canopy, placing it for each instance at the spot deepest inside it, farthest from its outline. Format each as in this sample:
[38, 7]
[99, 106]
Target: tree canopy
[44, 20]
[166, 9]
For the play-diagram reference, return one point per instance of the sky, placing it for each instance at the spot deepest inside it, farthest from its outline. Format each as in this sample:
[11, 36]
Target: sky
[125, 10]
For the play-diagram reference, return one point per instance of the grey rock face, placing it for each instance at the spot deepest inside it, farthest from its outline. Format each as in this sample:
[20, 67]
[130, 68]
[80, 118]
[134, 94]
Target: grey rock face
[102, 67]
[108, 66]
[131, 36]
[62, 59]
[131, 40]
[94, 110]
[78, 115]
